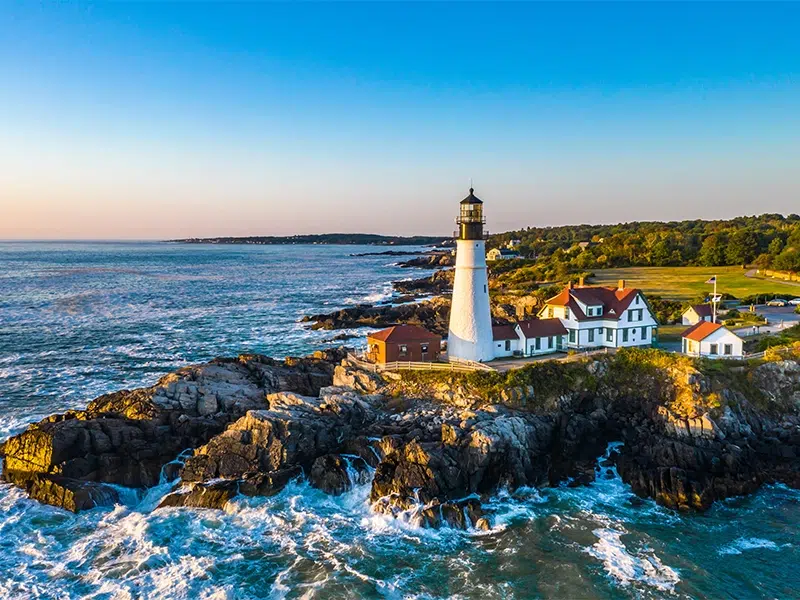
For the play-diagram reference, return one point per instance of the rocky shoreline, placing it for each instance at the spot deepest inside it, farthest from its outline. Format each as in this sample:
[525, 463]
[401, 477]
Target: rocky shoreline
[431, 445]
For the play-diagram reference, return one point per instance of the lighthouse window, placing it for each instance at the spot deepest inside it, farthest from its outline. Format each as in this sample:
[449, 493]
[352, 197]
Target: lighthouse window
[484, 289]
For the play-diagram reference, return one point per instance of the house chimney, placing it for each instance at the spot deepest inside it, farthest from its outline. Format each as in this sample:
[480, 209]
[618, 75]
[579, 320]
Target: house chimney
[580, 281]
[621, 284]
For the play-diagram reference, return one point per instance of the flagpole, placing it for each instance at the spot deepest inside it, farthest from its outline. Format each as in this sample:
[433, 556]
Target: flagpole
[714, 301]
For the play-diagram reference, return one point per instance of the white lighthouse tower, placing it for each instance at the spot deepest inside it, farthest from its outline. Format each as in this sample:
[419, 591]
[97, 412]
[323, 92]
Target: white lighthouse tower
[470, 335]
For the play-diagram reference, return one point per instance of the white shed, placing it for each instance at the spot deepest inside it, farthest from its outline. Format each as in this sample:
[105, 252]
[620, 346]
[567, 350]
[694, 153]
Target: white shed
[711, 340]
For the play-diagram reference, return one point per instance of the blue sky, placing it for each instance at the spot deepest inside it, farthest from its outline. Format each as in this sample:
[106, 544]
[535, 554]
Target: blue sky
[149, 120]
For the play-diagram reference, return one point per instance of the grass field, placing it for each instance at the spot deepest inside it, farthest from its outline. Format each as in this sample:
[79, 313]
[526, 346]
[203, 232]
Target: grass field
[688, 283]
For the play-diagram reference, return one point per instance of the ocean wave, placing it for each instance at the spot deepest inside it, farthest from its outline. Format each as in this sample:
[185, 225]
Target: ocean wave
[743, 544]
[627, 568]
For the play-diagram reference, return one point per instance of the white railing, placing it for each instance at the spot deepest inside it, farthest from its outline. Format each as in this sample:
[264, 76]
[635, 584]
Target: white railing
[473, 364]
[402, 365]
[430, 366]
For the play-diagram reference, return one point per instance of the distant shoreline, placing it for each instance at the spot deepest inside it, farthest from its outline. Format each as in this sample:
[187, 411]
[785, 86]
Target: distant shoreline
[339, 239]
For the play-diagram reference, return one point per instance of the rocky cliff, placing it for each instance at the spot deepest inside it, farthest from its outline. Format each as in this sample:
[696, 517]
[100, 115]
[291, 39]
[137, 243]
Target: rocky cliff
[433, 444]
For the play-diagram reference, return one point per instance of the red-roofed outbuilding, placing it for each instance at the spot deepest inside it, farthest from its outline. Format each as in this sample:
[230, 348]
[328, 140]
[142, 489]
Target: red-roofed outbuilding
[403, 343]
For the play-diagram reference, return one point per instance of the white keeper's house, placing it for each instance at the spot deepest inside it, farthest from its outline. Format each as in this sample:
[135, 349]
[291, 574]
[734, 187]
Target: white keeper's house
[596, 317]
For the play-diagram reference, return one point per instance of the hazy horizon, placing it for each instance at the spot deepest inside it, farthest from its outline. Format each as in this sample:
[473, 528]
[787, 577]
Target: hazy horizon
[154, 122]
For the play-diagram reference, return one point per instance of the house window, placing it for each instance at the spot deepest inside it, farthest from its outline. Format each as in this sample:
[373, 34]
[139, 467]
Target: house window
[636, 300]
[641, 314]
[624, 335]
[550, 342]
[713, 349]
[728, 349]
[424, 348]
[508, 345]
[550, 312]
[538, 343]
[403, 349]
[644, 333]
[571, 336]
[591, 336]
[609, 335]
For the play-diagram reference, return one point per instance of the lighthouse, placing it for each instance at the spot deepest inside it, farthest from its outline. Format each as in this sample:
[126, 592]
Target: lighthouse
[470, 334]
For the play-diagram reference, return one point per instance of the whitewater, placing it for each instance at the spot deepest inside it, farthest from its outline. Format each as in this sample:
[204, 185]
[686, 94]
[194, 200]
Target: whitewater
[81, 319]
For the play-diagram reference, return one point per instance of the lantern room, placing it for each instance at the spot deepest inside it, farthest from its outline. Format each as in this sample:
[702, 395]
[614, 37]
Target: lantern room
[471, 219]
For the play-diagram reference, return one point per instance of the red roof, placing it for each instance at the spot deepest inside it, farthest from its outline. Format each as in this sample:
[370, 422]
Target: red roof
[700, 330]
[703, 310]
[404, 333]
[613, 301]
[542, 328]
[503, 332]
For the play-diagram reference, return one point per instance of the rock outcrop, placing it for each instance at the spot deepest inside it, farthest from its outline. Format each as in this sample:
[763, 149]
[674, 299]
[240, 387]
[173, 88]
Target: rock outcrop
[434, 260]
[432, 314]
[127, 437]
[441, 282]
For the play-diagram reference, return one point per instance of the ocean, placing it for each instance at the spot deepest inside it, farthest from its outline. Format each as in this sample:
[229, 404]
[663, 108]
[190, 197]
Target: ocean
[81, 319]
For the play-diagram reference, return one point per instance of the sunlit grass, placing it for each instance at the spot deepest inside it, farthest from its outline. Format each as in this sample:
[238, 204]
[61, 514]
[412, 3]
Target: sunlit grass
[688, 283]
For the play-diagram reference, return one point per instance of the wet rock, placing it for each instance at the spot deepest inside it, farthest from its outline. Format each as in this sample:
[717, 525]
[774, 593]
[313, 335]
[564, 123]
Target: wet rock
[335, 474]
[202, 495]
[70, 494]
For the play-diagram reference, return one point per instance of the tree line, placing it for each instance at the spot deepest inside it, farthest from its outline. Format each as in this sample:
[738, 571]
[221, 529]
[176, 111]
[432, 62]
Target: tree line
[767, 241]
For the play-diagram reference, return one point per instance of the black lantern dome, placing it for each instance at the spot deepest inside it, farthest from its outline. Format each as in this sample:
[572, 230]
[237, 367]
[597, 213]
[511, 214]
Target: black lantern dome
[471, 219]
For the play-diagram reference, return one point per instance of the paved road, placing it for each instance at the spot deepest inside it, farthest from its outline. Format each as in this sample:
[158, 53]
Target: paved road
[778, 319]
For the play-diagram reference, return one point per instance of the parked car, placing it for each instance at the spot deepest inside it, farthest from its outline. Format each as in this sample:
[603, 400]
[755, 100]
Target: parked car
[795, 302]
[776, 302]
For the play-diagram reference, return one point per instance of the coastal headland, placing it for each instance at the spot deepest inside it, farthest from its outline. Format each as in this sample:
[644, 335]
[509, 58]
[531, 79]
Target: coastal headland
[433, 444]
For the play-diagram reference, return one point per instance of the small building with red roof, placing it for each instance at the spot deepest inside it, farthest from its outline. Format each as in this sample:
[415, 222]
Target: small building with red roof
[597, 317]
[403, 343]
[711, 340]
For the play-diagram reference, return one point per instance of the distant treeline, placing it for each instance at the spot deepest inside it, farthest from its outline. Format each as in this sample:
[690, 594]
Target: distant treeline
[767, 241]
[367, 239]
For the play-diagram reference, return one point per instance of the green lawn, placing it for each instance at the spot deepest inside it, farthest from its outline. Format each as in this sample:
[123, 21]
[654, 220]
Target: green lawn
[688, 283]
[671, 333]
